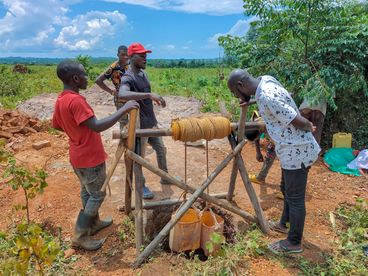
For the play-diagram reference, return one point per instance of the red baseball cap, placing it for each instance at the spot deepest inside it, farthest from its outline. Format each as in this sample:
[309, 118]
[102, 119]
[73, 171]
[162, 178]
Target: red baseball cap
[137, 48]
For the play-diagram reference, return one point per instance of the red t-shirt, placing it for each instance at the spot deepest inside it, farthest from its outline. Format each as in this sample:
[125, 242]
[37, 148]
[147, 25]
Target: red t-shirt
[85, 145]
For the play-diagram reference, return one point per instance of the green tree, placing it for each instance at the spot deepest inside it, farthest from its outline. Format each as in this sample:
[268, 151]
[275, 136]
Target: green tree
[317, 48]
[86, 61]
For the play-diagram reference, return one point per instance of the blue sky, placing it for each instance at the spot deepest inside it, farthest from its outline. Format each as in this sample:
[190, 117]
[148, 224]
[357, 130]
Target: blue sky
[66, 28]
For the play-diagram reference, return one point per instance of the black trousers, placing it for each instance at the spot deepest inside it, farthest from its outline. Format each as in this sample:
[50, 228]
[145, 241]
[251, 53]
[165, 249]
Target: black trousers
[293, 187]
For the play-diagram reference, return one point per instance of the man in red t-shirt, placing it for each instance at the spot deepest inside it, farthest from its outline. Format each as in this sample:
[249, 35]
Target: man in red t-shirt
[75, 117]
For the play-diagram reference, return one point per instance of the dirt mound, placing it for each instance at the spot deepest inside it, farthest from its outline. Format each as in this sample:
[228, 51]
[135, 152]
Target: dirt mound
[20, 68]
[42, 106]
[14, 124]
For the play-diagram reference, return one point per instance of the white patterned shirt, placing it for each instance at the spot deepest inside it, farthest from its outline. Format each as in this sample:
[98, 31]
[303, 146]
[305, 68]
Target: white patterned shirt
[277, 108]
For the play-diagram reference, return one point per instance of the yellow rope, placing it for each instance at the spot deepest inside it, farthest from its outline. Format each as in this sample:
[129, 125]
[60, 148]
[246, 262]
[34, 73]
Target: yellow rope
[196, 128]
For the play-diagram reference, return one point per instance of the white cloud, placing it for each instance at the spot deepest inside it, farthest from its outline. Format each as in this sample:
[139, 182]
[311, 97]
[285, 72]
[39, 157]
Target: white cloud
[88, 30]
[190, 6]
[27, 19]
[240, 28]
[38, 39]
[169, 47]
[154, 4]
[27, 24]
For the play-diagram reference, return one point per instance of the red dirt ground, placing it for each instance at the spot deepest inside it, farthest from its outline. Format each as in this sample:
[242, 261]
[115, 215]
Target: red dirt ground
[60, 203]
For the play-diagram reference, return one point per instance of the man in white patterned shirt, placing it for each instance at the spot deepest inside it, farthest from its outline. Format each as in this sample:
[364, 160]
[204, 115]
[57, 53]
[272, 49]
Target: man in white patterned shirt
[296, 149]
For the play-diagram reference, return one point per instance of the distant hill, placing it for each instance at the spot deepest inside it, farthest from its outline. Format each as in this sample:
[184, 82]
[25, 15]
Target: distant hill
[159, 63]
[46, 61]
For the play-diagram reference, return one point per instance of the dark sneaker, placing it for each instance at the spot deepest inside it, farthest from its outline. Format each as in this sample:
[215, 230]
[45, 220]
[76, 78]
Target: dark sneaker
[147, 194]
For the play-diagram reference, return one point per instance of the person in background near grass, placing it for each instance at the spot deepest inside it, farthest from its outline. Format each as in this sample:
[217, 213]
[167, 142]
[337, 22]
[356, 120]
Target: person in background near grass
[136, 86]
[270, 156]
[114, 73]
[296, 148]
[75, 117]
[316, 114]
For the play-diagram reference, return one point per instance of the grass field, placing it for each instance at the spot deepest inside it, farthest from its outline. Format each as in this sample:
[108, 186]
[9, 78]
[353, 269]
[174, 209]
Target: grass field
[202, 83]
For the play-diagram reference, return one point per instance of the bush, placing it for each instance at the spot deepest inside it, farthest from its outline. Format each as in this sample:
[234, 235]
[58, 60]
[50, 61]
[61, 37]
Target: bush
[10, 83]
[28, 248]
[351, 116]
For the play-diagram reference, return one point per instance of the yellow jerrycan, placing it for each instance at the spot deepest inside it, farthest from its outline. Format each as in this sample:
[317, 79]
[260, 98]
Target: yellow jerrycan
[341, 140]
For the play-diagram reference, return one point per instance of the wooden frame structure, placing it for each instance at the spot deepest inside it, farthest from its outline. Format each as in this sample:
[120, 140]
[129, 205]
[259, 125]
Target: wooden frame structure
[132, 154]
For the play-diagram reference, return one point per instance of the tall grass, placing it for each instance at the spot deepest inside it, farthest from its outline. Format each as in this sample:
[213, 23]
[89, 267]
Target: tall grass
[17, 87]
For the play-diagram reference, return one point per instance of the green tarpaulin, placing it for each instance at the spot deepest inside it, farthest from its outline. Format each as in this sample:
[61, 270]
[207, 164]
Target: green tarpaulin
[337, 160]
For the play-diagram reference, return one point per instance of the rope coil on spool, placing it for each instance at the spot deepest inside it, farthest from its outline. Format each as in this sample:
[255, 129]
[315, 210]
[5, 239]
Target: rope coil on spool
[196, 128]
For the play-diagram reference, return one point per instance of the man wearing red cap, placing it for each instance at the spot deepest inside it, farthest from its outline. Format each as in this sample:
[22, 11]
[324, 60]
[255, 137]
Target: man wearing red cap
[136, 86]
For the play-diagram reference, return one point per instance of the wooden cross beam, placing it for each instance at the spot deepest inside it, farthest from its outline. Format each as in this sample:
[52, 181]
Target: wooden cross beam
[159, 132]
[156, 241]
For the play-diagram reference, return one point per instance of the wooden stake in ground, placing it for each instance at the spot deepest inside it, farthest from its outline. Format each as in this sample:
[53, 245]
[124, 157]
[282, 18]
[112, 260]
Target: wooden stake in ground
[250, 190]
[138, 200]
[128, 162]
[119, 152]
[234, 171]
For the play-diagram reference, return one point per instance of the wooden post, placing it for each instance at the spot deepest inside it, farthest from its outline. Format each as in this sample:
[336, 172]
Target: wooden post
[234, 171]
[138, 201]
[250, 190]
[128, 162]
[148, 250]
[168, 202]
[242, 120]
[119, 152]
[234, 174]
[222, 203]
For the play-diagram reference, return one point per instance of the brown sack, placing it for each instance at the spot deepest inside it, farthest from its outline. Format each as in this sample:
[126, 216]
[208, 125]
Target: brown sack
[210, 223]
[186, 234]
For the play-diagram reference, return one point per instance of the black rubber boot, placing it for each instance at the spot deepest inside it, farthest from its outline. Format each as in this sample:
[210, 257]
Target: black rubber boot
[82, 228]
[98, 224]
